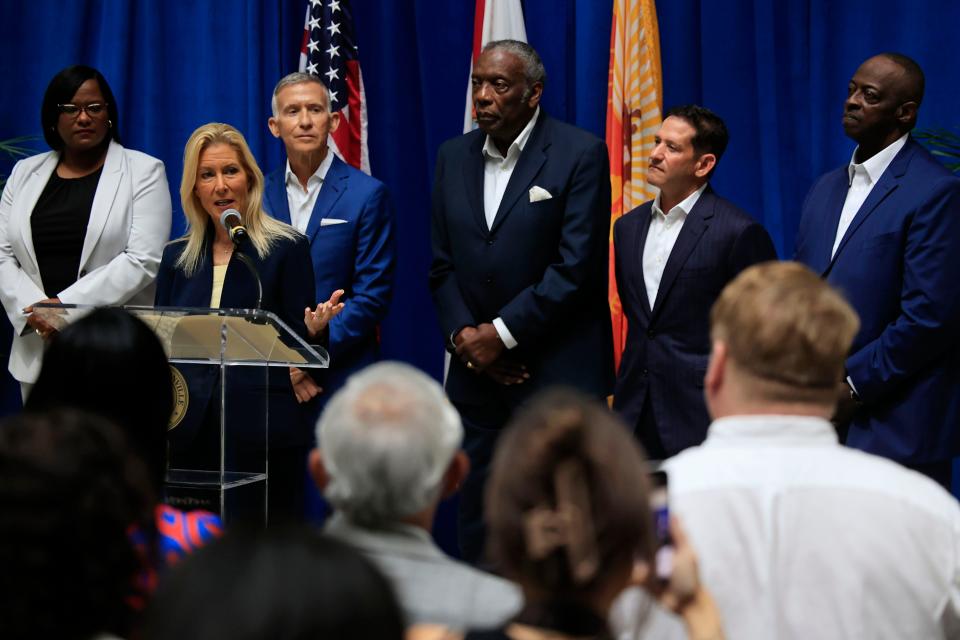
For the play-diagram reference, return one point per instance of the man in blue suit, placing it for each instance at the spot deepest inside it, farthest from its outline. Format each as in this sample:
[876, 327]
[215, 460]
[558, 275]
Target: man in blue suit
[673, 256]
[346, 215]
[520, 223]
[885, 230]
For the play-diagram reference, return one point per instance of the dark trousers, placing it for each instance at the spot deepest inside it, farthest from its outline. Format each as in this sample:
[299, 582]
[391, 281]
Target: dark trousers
[482, 426]
[647, 434]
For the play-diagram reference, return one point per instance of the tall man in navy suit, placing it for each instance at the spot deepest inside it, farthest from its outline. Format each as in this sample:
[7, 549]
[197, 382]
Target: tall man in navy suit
[885, 230]
[346, 215]
[673, 257]
[520, 223]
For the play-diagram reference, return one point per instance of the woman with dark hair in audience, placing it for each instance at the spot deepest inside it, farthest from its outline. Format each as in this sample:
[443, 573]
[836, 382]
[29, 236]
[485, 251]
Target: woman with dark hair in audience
[199, 270]
[111, 363]
[275, 584]
[69, 492]
[569, 521]
[84, 223]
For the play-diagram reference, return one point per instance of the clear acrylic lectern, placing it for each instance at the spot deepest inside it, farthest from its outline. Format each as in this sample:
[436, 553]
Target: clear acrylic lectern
[224, 364]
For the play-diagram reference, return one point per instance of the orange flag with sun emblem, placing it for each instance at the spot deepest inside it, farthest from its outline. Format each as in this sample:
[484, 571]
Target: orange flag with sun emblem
[634, 104]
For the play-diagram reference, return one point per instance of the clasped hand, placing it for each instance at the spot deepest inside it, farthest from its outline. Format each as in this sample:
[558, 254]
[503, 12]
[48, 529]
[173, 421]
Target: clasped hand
[43, 320]
[482, 350]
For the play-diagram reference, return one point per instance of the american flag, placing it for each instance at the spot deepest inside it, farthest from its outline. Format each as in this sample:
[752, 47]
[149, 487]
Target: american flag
[329, 50]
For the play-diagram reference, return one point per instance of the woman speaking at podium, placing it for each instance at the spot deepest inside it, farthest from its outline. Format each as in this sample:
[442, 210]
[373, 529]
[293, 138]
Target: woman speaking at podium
[201, 270]
[83, 223]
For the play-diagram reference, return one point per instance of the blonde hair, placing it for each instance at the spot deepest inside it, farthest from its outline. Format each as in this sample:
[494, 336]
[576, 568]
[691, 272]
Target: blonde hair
[788, 329]
[264, 231]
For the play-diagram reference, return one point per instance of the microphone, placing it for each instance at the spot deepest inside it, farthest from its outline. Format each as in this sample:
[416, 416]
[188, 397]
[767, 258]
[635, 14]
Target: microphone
[231, 221]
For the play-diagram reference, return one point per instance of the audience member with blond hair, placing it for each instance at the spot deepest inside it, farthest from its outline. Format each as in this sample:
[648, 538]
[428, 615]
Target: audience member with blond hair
[798, 536]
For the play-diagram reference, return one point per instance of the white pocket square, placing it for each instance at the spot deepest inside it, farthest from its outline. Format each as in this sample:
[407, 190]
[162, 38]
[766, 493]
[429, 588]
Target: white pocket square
[539, 193]
[326, 222]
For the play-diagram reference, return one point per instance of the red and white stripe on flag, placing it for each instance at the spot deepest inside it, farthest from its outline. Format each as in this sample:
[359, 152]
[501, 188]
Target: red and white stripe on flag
[329, 50]
[493, 20]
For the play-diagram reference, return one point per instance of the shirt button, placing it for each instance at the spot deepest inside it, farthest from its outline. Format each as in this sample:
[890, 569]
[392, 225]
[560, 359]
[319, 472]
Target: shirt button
[650, 333]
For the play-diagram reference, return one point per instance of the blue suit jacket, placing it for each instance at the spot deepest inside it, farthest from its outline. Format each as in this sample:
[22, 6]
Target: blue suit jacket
[668, 342]
[542, 267]
[357, 255]
[899, 266]
[287, 290]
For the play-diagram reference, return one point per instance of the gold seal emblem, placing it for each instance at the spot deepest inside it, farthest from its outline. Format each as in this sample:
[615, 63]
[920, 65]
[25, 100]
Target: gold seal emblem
[181, 398]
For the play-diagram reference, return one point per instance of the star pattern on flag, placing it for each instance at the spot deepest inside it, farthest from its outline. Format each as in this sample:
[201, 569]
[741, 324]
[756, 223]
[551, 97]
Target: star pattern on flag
[329, 45]
[329, 50]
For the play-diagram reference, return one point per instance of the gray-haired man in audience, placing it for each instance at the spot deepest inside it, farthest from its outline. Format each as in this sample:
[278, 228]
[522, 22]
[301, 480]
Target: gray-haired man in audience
[389, 452]
[798, 536]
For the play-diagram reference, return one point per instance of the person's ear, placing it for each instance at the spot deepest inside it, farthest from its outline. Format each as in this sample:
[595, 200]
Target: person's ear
[318, 470]
[907, 115]
[334, 121]
[536, 91]
[456, 473]
[716, 368]
[705, 164]
[274, 127]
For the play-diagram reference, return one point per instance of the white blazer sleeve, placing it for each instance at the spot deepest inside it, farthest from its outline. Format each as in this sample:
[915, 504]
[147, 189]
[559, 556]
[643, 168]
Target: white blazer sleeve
[17, 289]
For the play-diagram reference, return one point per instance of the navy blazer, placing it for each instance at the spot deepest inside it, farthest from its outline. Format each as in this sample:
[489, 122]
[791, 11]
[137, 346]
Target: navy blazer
[668, 342]
[352, 248]
[899, 266]
[287, 290]
[542, 267]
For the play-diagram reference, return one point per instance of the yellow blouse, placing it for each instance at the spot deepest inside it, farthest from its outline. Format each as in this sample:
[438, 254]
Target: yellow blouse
[219, 273]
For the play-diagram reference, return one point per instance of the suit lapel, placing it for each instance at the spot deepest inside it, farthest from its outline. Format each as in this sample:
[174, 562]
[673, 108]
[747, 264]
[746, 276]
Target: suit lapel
[531, 159]
[693, 227]
[836, 196]
[276, 196]
[31, 193]
[103, 199]
[334, 184]
[198, 288]
[888, 181]
[473, 180]
[639, 284]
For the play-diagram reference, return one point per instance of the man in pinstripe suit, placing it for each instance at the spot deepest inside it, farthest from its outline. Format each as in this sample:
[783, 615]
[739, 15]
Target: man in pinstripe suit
[674, 255]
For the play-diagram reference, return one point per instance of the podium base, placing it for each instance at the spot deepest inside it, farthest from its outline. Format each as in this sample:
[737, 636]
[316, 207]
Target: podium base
[236, 497]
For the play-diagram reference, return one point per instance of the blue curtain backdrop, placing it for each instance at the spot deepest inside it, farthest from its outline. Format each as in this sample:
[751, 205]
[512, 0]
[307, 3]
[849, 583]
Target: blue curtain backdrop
[775, 70]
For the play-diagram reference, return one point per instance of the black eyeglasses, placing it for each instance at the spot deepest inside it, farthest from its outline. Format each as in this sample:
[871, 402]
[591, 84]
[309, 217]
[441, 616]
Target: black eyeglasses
[93, 109]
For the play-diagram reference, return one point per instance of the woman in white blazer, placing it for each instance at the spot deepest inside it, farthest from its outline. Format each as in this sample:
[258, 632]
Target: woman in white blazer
[84, 223]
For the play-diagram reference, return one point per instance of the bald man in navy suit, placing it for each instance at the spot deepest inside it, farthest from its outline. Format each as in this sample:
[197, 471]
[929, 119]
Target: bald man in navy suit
[885, 230]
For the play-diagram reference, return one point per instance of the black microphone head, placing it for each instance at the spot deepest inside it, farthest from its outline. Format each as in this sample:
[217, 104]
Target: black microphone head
[230, 219]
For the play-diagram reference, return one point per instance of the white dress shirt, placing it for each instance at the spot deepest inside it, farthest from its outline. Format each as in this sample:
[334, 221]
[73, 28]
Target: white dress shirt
[301, 201]
[863, 177]
[800, 537]
[662, 235]
[497, 170]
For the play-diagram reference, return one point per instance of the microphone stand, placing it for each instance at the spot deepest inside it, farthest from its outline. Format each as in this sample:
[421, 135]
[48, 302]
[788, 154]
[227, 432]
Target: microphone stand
[237, 239]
